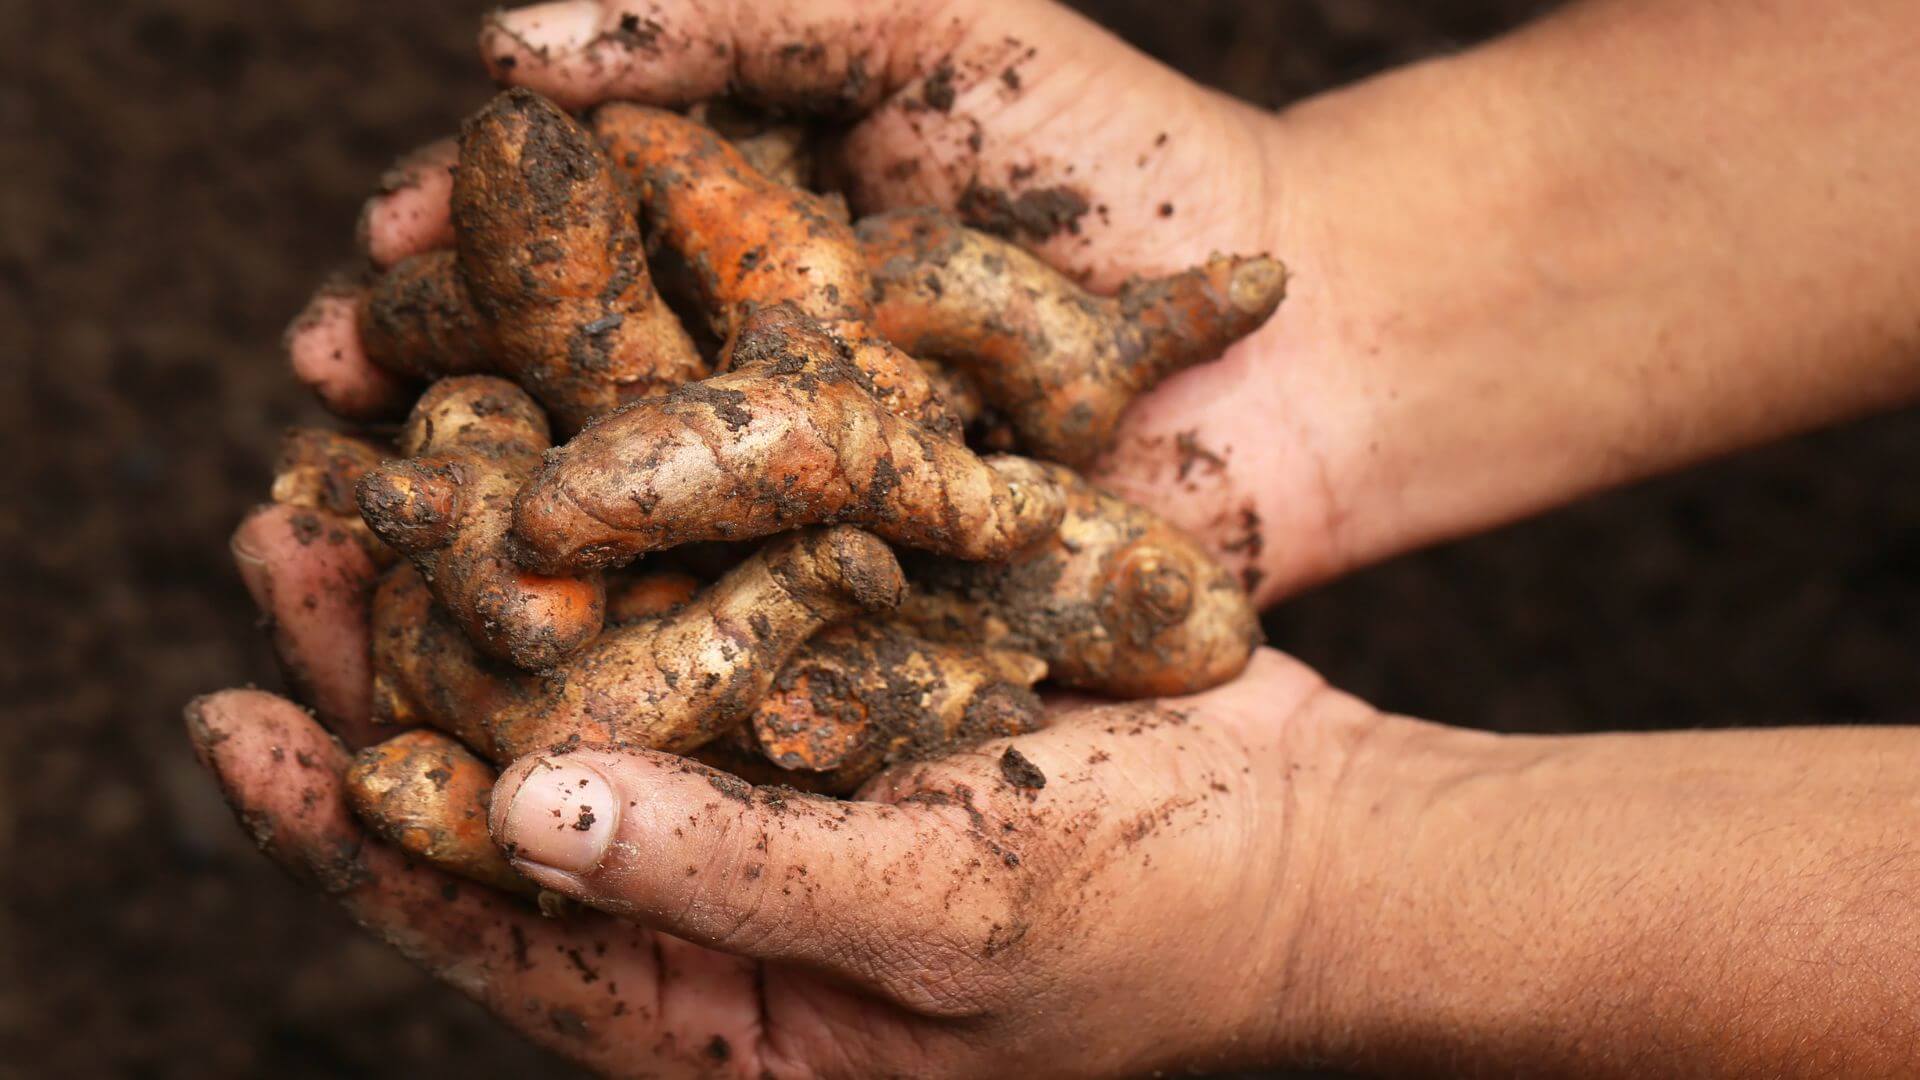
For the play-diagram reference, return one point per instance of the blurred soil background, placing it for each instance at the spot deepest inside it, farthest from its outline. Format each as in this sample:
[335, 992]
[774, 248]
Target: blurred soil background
[176, 175]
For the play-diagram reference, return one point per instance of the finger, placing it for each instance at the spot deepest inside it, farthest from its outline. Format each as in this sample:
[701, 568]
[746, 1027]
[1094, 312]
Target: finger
[848, 888]
[1023, 115]
[411, 212]
[324, 349]
[676, 52]
[311, 579]
[585, 986]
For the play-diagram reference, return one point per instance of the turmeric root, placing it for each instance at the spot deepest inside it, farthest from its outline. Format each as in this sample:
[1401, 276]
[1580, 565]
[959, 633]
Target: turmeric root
[793, 435]
[1118, 601]
[643, 596]
[427, 672]
[470, 442]
[861, 697]
[427, 795]
[754, 241]
[419, 320]
[1059, 362]
[548, 282]
[779, 151]
[670, 682]
[318, 469]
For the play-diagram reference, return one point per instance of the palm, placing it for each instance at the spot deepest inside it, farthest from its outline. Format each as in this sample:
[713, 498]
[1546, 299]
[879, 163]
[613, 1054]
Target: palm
[608, 993]
[900, 929]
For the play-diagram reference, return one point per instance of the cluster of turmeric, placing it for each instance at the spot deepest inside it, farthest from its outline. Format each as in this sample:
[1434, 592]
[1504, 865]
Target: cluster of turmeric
[772, 404]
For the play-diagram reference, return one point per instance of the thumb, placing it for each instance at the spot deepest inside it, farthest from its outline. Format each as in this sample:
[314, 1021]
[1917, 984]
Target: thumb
[887, 895]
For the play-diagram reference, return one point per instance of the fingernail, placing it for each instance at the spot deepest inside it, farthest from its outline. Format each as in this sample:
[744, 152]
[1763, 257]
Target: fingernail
[252, 566]
[563, 816]
[551, 29]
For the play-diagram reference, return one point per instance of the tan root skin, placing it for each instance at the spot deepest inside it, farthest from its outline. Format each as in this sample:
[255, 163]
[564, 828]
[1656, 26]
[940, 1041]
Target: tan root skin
[1060, 363]
[320, 469]
[470, 443]
[670, 682]
[753, 241]
[426, 794]
[793, 435]
[1118, 602]
[548, 282]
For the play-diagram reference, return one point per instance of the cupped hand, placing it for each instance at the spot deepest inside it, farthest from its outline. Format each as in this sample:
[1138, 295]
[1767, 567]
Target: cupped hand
[1123, 890]
[1022, 115]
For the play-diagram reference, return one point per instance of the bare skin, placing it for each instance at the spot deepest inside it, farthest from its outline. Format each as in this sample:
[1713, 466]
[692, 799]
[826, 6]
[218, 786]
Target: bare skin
[1696, 903]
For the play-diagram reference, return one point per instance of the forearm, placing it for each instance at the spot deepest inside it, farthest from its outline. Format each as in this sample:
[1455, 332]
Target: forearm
[1636, 235]
[1732, 903]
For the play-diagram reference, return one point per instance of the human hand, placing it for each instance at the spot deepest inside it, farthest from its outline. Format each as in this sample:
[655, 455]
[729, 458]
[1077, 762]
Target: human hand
[1128, 889]
[1023, 114]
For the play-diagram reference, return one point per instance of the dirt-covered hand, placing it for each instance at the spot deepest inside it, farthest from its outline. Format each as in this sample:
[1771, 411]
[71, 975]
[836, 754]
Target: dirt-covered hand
[1024, 118]
[1114, 893]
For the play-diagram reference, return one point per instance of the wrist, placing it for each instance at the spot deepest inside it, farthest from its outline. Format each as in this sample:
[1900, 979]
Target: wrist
[1414, 212]
[1341, 792]
[1354, 425]
[1405, 806]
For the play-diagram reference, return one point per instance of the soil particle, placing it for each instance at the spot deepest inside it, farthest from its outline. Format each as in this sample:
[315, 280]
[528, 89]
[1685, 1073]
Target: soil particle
[518, 939]
[637, 32]
[731, 786]
[306, 528]
[585, 820]
[1250, 541]
[728, 405]
[1033, 215]
[1021, 772]
[567, 1022]
[1194, 455]
[938, 93]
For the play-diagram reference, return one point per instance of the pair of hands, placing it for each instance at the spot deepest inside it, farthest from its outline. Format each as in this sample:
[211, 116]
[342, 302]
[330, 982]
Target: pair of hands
[1545, 266]
[1139, 910]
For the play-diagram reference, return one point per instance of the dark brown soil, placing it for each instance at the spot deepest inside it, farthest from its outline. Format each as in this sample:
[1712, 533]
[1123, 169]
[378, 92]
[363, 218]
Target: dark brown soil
[177, 175]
